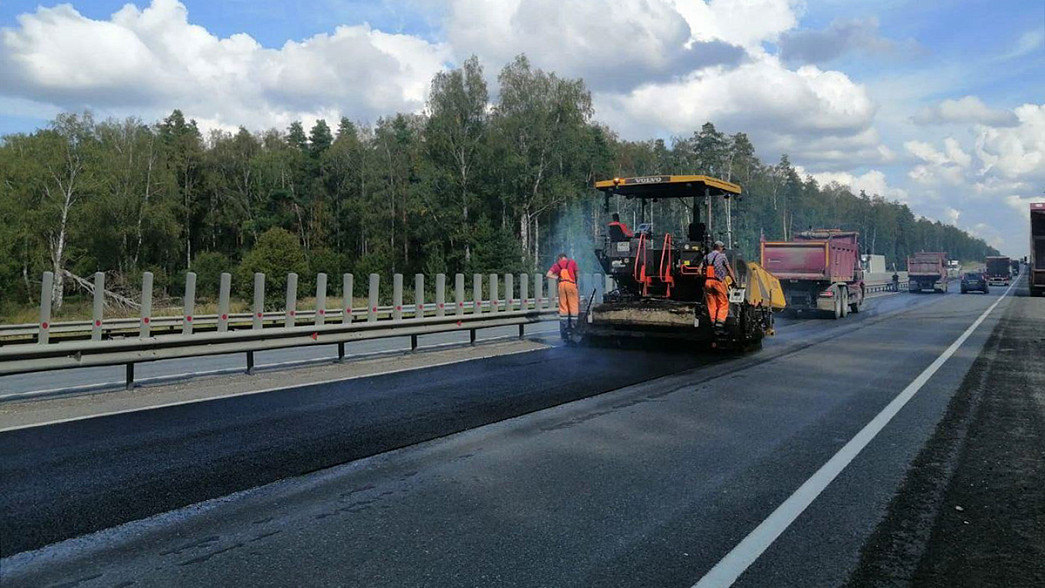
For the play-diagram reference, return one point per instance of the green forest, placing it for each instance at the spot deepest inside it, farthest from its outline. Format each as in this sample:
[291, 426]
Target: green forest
[474, 183]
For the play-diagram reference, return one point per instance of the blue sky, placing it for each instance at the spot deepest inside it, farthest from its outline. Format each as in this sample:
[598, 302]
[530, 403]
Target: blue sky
[939, 104]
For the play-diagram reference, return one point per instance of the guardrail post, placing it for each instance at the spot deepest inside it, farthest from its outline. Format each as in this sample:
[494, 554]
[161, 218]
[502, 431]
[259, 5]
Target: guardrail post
[290, 318]
[146, 315]
[553, 293]
[600, 287]
[493, 293]
[250, 363]
[346, 300]
[188, 303]
[129, 373]
[419, 296]
[440, 295]
[99, 306]
[224, 291]
[537, 283]
[46, 287]
[459, 293]
[509, 292]
[524, 292]
[321, 299]
[477, 293]
[259, 301]
[397, 297]
[372, 299]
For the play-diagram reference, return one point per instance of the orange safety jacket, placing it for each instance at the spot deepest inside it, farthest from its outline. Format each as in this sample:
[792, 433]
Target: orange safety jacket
[623, 227]
[566, 269]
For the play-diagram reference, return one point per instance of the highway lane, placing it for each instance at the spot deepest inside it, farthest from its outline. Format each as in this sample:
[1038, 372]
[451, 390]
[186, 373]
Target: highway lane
[646, 485]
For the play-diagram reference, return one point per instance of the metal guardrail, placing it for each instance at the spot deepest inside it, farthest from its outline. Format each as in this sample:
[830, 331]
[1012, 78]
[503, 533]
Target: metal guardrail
[19, 333]
[128, 341]
[21, 359]
[900, 287]
[516, 295]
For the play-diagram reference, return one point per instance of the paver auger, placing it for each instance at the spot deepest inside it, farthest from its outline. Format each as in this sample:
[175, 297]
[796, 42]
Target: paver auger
[659, 285]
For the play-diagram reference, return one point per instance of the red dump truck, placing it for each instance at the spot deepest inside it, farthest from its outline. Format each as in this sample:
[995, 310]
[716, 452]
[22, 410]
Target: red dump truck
[819, 271]
[999, 271]
[1036, 261]
[927, 270]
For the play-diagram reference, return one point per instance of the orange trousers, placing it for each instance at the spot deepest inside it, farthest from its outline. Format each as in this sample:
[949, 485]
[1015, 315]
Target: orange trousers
[569, 300]
[717, 300]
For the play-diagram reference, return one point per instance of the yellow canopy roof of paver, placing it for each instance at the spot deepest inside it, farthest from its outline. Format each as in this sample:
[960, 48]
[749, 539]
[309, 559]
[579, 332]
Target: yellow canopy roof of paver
[668, 186]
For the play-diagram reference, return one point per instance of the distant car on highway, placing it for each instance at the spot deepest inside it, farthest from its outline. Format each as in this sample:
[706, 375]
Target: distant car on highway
[974, 282]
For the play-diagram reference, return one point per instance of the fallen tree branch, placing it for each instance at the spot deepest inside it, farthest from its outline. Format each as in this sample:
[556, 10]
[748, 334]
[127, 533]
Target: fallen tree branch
[118, 299]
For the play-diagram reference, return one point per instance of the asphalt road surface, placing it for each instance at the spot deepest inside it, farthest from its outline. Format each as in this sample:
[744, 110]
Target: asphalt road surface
[555, 467]
[972, 509]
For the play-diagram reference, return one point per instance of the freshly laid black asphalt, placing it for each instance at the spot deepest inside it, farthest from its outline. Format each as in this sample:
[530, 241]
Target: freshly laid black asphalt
[62, 481]
[648, 485]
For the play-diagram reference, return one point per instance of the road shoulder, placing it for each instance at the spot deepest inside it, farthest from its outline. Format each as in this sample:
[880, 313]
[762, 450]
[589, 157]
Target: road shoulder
[969, 512]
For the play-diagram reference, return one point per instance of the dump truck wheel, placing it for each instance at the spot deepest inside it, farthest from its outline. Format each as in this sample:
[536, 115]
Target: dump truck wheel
[838, 305]
[855, 307]
[845, 302]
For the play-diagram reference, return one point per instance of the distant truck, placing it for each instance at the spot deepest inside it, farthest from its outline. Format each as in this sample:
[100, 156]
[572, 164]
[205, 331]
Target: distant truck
[1036, 262]
[999, 271]
[820, 270]
[927, 270]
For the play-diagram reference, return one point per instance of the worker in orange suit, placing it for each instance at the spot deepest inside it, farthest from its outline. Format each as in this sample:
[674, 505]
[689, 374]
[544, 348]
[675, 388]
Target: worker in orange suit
[716, 268]
[565, 271]
[623, 227]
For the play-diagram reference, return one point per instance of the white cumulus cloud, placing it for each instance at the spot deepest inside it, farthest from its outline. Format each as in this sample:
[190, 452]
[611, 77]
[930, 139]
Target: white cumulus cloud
[807, 112]
[632, 42]
[968, 109]
[147, 61]
[872, 182]
[1018, 151]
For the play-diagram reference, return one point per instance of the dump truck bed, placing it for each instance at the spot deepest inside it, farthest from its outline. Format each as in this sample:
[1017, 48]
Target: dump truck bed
[827, 261]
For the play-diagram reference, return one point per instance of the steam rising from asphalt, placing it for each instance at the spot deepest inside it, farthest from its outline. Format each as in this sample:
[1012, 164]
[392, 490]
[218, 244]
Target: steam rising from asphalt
[575, 231]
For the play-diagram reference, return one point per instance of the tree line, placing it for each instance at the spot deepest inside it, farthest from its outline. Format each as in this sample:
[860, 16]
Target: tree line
[468, 185]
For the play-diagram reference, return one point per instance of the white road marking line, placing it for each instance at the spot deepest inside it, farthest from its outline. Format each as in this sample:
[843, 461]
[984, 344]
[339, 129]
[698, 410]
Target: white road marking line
[730, 567]
[276, 389]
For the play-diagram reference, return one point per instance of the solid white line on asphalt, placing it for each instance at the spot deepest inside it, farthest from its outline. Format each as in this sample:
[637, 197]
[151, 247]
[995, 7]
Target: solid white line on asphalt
[730, 567]
[252, 392]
